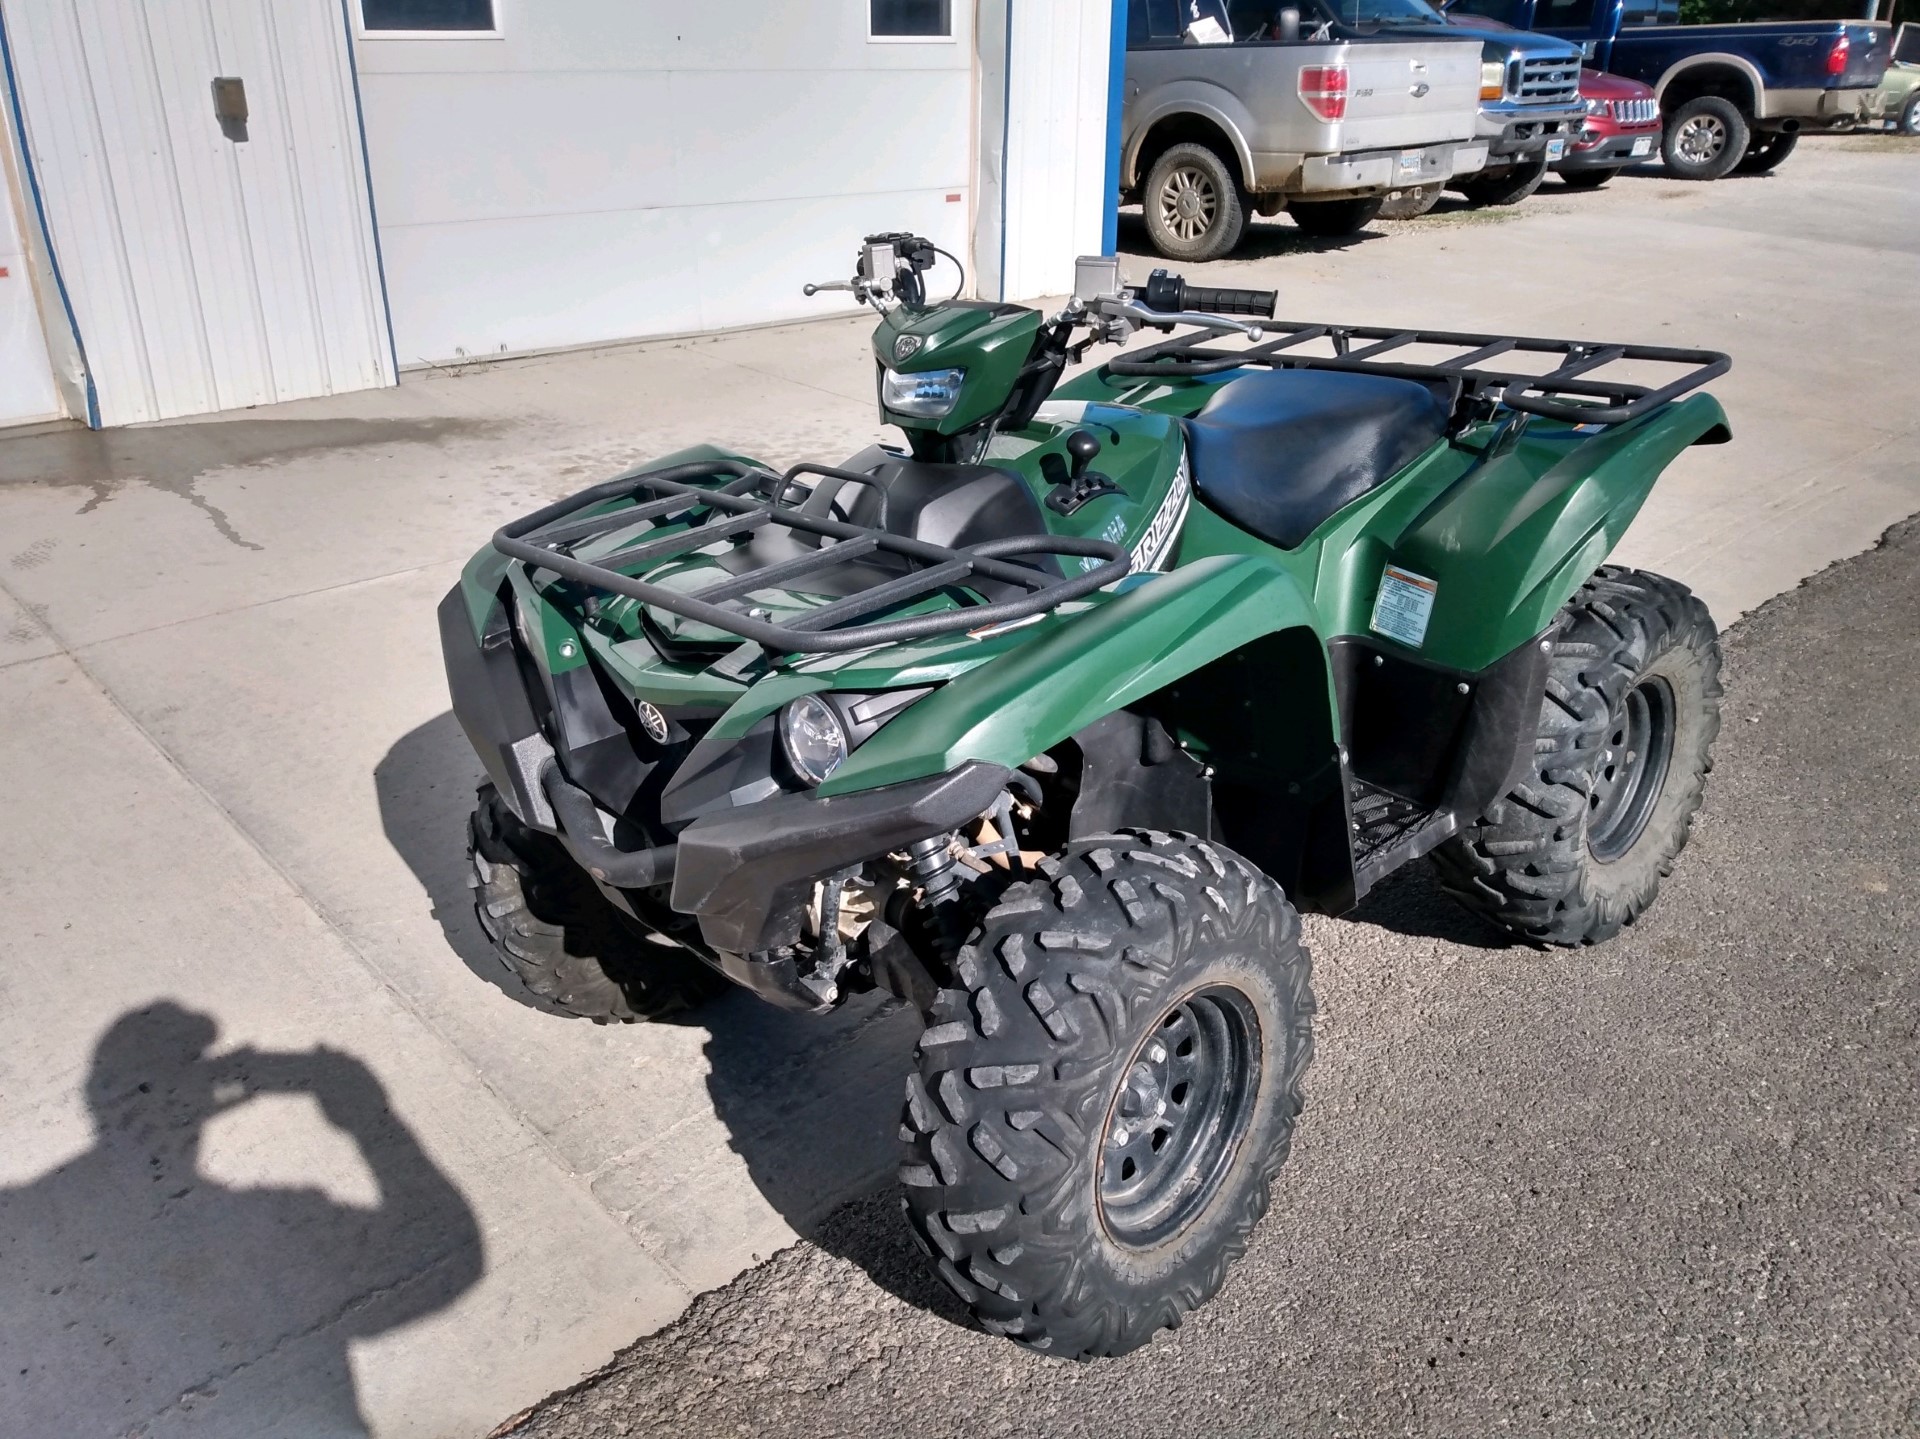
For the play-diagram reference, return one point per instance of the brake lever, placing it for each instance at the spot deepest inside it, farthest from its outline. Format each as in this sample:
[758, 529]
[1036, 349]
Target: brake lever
[813, 289]
[1167, 319]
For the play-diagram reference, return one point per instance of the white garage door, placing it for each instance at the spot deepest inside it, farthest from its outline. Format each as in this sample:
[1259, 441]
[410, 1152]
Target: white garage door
[216, 239]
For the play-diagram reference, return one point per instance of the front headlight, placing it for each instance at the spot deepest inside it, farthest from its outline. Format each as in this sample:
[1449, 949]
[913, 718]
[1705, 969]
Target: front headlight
[1493, 79]
[1596, 107]
[924, 394]
[813, 738]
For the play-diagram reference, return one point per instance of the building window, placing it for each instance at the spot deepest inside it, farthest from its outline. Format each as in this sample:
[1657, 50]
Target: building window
[427, 17]
[910, 19]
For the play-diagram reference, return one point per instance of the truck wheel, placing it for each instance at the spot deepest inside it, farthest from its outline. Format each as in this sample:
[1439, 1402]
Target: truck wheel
[1333, 218]
[1509, 187]
[1587, 179]
[1910, 117]
[1577, 849]
[1410, 204]
[1766, 152]
[1193, 204]
[1704, 139]
[561, 939]
[1097, 1114]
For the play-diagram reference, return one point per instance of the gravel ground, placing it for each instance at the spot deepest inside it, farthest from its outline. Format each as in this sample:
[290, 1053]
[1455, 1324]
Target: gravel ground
[1667, 1186]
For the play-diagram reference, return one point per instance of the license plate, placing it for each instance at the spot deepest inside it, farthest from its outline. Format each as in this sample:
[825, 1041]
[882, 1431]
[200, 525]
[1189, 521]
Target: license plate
[1410, 163]
[1556, 148]
[1643, 146]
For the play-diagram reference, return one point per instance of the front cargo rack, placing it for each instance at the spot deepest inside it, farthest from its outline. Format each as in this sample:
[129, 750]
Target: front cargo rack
[1569, 392]
[684, 518]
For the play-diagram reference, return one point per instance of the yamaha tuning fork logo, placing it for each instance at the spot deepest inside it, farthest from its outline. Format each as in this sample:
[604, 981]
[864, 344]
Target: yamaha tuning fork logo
[652, 721]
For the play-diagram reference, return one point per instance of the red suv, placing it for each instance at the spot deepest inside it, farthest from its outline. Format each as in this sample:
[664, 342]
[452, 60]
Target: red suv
[1622, 125]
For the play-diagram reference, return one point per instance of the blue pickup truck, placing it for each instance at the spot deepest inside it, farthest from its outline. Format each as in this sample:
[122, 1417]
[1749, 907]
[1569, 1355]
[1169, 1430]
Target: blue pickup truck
[1734, 97]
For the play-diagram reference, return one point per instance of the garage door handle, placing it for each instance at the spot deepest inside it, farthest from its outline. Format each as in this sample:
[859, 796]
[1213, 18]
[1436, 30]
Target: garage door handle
[230, 106]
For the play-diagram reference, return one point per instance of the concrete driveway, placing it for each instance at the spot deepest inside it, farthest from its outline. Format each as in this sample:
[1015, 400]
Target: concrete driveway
[276, 1155]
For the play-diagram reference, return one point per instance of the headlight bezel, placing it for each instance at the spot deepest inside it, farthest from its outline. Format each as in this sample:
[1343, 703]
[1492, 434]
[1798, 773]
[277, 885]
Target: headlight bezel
[813, 738]
[861, 714]
[900, 391]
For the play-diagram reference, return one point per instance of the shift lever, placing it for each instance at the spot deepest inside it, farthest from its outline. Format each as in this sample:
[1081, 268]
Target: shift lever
[1077, 485]
[1082, 446]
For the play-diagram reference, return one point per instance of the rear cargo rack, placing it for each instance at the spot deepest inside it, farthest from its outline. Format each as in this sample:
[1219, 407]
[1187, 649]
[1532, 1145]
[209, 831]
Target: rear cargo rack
[1570, 392]
[710, 513]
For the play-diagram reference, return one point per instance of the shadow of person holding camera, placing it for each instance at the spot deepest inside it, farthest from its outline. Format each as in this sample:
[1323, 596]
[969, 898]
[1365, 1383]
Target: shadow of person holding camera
[143, 1298]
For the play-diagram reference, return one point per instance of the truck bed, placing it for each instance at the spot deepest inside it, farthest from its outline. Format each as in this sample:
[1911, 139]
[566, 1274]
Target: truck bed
[1399, 93]
[1789, 54]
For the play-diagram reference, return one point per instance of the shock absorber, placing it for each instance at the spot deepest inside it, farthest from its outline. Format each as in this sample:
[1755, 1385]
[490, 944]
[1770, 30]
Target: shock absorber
[934, 867]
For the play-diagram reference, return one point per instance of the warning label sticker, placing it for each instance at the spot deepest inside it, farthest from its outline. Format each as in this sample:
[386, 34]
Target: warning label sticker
[1404, 606]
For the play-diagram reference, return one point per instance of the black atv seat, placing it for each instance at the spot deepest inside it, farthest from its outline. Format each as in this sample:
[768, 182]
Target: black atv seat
[1279, 451]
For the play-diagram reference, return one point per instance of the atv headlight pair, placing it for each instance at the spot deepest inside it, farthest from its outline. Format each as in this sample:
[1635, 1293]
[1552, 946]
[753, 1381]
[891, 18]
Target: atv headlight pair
[925, 394]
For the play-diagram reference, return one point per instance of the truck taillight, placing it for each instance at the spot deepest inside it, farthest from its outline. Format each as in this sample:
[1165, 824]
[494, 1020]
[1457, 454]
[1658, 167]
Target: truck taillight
[1837, 56]
[1323, 88]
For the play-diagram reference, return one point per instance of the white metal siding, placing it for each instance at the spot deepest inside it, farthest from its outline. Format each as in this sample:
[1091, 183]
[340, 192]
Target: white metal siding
[205, 274]
[616, 168]
[1053, 149]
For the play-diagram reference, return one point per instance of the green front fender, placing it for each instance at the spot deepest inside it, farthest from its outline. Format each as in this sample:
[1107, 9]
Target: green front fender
[1510, 544]
[1032, 697]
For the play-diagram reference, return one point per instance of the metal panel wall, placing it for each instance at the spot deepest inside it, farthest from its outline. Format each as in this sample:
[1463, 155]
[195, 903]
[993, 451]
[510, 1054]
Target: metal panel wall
[614, 168]
[206, 272]
[1044, 120]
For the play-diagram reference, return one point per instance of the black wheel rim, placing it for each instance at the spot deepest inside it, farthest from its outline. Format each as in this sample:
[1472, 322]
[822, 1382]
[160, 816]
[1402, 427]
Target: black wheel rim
[1631, 771]
[1181, 1110]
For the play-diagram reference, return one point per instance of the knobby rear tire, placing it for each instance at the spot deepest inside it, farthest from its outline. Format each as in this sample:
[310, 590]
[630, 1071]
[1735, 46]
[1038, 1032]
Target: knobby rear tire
[1528, 864]
[1021, 1073]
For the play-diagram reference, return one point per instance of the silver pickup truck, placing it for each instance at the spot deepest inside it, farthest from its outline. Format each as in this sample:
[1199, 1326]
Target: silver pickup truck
[1321, 129]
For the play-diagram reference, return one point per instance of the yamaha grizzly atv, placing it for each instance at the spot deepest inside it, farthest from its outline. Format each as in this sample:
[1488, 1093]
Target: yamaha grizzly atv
[1049, 721]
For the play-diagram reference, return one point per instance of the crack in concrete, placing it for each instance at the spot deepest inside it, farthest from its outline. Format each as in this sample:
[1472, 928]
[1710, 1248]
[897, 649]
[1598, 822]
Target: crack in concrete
[209, 1386]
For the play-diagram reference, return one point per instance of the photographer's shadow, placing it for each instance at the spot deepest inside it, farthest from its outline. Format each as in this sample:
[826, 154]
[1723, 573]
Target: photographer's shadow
[144, 1298]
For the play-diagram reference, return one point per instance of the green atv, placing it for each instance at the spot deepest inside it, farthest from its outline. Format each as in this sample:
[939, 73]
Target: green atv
[1049, 722]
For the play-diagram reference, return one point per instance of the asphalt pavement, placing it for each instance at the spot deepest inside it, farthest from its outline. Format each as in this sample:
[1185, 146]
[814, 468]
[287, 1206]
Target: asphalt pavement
[1666, 1186]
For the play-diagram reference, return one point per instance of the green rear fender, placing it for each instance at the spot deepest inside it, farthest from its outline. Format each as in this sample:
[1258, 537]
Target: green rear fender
[1033, 697]
[1510, 544]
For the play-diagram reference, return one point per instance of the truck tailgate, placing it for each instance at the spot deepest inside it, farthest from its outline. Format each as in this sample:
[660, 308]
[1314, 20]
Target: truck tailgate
[1408, 93]
[1869, 48]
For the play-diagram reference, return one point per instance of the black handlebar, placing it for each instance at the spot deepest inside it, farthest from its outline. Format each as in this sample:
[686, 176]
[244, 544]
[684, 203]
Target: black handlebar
[1170, 293]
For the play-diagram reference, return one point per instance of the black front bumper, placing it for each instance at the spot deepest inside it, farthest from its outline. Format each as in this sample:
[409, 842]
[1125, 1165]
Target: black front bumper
[1525, 139]
[748, 873]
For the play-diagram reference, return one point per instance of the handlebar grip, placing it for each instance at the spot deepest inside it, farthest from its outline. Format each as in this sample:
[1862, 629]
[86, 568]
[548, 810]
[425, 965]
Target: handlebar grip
[1169, 292]
[1257, 303]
